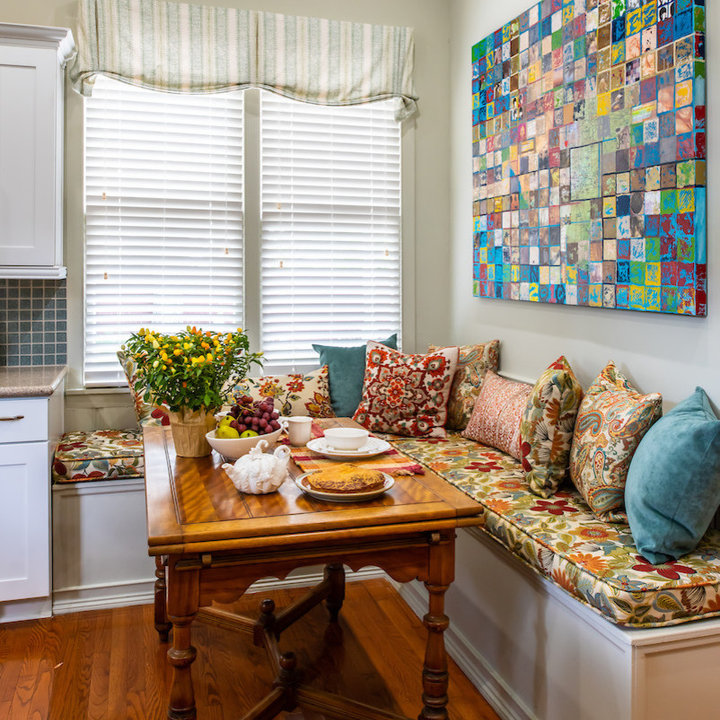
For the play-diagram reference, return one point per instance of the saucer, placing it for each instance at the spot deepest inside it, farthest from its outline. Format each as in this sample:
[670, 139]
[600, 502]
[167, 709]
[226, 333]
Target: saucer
[373, 446]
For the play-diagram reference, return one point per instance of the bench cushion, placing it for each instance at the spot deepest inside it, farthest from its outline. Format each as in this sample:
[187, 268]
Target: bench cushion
[561, 539]
[99, 455]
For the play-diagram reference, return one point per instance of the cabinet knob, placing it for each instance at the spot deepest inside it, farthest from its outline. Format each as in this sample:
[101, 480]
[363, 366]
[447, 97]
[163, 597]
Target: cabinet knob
[11, 419]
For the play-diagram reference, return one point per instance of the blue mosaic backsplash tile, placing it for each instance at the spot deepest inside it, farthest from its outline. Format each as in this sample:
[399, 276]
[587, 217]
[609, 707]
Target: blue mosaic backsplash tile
[33, 322]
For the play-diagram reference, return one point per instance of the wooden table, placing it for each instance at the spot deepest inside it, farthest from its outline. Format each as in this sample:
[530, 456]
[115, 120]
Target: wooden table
[211, 543]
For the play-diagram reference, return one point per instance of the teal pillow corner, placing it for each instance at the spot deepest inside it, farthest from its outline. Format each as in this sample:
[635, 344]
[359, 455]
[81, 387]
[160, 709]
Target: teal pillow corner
[673, 485]
[346, 372]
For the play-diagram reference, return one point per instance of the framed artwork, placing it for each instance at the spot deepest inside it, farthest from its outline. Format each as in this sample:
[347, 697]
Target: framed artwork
[589, 163]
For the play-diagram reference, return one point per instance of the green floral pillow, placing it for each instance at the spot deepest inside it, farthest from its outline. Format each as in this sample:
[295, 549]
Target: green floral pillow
[611, 422]
[295, 394]
[547, 426]
[147, 414]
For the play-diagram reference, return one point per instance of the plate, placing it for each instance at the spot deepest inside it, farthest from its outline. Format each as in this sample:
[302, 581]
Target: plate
[374, 446]
[344, 497]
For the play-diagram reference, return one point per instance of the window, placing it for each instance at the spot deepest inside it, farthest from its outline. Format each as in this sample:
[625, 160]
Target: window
[167, 214]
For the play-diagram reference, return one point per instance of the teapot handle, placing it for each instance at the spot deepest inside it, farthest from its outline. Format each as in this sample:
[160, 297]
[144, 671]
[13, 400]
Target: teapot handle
[260, 448]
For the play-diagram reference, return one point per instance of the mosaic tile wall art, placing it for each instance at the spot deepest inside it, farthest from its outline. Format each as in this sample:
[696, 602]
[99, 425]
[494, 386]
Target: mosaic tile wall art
[589, 156]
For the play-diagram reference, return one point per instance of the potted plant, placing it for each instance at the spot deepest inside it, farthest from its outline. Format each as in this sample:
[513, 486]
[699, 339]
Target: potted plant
[188, 372]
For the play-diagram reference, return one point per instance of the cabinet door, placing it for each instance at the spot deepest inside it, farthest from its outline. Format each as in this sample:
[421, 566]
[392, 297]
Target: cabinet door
[24, 521]
[28, 162]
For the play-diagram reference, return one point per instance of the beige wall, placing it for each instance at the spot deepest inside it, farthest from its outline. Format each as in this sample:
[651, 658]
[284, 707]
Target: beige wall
[663, 353]
[425, 276]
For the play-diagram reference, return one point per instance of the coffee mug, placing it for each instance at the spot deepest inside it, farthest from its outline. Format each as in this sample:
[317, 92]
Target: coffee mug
[299, 429]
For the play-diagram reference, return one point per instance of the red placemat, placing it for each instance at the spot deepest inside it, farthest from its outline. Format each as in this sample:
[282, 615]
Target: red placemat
[391, 461]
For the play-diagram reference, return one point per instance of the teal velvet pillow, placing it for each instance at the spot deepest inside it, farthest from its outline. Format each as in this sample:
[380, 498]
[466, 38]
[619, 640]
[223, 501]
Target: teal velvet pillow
[673, 485]
[346, 367]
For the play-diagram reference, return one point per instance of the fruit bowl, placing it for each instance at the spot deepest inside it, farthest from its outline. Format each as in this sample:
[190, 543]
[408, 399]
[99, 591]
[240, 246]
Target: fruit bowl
[233, 448]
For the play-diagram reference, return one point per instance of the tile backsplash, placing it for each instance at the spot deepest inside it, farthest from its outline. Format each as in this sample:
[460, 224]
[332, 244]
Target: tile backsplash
[33, 322]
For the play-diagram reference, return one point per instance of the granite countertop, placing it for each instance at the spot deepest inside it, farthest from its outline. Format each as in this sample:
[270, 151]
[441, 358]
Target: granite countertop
[30, 380]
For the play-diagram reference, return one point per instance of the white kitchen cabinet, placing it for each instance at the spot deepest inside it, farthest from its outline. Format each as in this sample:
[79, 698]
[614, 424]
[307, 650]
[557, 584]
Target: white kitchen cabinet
[29, 429]
[32, 69]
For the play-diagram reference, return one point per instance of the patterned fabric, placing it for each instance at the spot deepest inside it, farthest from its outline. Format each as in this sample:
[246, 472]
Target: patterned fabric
[547, 426]
[497, 414]
[100, 455]
[406, 394]
[473, 363]
[611, 422]
[179, 47]
[147, 414]
[562, 540]
[296, 394]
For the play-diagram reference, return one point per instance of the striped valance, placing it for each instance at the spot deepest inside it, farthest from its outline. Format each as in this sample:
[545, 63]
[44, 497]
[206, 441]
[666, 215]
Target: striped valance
[177, 47]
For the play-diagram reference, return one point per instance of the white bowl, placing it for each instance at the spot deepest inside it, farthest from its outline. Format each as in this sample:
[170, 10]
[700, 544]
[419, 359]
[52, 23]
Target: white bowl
[233, 448]
[346, 438]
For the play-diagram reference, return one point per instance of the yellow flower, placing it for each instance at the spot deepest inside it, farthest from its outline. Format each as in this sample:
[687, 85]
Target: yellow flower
[187, 346]
[156, 363]
[177, 351]
[163, 354]
[209, 357]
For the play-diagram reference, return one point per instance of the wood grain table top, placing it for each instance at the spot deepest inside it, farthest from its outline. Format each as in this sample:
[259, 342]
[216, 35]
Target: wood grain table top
[192, 506]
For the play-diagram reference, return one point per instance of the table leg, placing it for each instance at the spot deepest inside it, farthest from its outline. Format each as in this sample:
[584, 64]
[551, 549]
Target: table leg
[335, 573]
[435, 669]
[182, 606]
[161, 621]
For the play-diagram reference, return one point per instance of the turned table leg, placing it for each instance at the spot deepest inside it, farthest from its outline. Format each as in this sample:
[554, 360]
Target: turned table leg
[336, 575]
[435, 668]
[161, 620]
[182, 606]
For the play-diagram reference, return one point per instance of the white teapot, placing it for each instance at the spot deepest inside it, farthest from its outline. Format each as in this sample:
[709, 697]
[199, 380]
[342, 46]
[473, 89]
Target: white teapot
[258, 473]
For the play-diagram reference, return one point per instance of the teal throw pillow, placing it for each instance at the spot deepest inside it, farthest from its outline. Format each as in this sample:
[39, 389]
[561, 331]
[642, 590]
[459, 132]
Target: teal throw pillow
[673, 485]
[346, 367]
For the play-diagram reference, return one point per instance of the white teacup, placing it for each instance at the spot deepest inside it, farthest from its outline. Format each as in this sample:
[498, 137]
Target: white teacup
[299, 429]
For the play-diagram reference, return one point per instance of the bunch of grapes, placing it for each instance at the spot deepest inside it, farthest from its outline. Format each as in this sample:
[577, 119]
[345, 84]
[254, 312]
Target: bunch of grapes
[259, 415]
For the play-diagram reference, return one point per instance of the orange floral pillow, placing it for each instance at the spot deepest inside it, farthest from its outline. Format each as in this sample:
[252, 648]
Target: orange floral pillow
[406, 394]
[295, 394]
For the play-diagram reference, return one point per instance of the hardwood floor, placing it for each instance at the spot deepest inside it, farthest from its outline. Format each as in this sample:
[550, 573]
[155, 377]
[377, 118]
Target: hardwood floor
[110, 665]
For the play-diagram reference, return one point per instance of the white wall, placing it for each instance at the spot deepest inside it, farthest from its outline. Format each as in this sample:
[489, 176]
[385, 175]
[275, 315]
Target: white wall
[427, 307]
[670, 354]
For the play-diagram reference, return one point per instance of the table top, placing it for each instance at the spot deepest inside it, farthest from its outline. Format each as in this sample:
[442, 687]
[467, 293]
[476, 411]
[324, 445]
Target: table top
[192, 506]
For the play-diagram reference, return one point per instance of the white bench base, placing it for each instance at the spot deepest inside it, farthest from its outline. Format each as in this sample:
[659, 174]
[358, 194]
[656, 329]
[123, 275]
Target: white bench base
[536, 653]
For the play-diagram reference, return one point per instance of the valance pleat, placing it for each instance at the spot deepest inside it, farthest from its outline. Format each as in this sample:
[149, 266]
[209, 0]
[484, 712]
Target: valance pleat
[178, 47]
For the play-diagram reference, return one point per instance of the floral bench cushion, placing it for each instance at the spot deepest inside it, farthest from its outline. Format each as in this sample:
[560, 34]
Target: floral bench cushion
[562, 540]
[99, 455]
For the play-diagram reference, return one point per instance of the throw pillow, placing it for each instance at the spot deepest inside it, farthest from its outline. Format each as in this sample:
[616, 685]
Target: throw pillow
[406, 394]
[346, 370]
[295, 394]
[146, 412]
[546, 431]
[673, 485]
[611, 422]
[473, 363]
[497, 414]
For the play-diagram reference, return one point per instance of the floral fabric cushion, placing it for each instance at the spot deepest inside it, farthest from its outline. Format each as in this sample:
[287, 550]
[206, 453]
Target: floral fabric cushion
[146, 413]
[611, 422]
[562, 540]
[295, 394]
[406, 394]
[474, 361]
[547, 426]
[497, 414]
[99, 455]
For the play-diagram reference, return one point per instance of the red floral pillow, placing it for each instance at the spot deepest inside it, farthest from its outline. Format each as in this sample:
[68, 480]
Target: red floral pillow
[406, 394]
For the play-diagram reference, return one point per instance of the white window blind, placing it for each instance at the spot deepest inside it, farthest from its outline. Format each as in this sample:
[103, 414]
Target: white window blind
[164, 216]
[331, 227]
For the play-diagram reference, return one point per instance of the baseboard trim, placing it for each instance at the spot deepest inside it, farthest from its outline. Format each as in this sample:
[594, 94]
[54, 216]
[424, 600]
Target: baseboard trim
[490, 685]
[141, 592]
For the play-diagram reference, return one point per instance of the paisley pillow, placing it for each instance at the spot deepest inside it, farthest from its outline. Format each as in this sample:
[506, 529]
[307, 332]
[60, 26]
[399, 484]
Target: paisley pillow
[547, 426]
[295, 394]
[497, 414]
[146, 412]
[473, 363]
[611, 422]
[406, 394]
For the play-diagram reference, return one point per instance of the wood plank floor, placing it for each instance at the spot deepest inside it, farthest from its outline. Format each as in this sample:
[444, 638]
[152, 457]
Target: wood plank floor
[110, 665]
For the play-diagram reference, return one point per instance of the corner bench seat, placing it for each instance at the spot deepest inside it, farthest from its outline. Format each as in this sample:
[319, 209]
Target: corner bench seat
[559, 538]
[99, 455]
